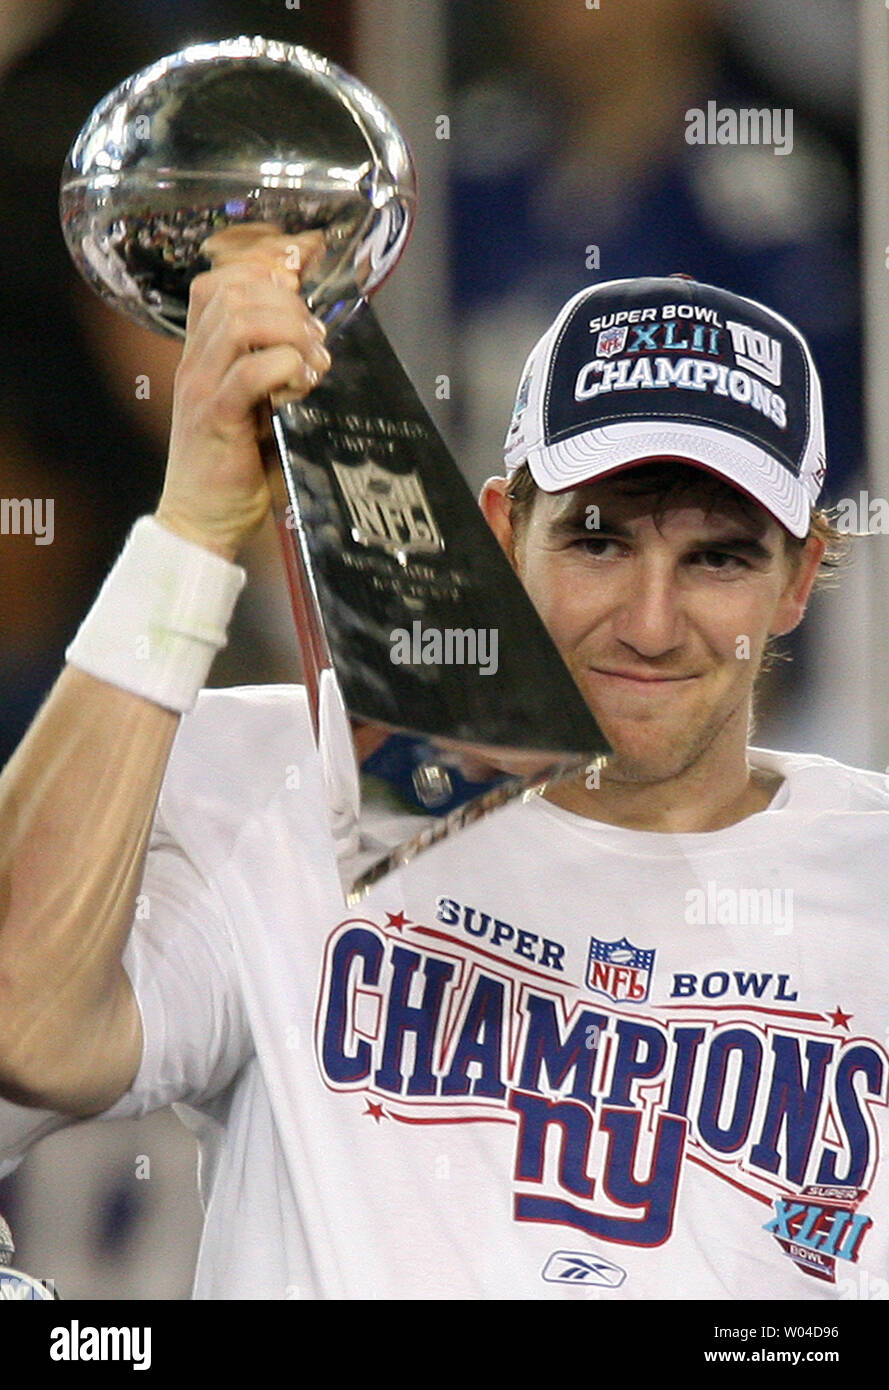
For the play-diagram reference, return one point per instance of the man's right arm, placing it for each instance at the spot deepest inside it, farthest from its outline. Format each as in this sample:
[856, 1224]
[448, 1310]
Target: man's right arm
[77, 799]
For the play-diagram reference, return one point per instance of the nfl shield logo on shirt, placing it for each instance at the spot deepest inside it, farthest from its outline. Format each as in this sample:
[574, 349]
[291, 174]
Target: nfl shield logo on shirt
[611, 341]
[619, 970]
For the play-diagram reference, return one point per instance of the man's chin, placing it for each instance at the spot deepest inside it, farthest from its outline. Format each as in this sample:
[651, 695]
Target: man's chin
[645, 754]
[654, 752]
[623, 770]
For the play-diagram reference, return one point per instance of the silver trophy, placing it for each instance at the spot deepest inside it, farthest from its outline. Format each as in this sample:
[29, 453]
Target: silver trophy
[401, 595]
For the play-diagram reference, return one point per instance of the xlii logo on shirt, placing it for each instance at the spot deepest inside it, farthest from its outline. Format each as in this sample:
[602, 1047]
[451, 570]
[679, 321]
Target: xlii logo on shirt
[821, 1227]
[430, 1026]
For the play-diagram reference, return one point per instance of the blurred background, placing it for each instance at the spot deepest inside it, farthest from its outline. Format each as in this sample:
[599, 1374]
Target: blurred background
[550, 141]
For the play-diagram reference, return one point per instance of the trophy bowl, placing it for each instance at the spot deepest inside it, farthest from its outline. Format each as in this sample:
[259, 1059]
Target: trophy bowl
[245, 130]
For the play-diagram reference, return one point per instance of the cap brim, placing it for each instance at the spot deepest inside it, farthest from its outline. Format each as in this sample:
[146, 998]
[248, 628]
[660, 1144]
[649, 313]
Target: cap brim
[585, 457]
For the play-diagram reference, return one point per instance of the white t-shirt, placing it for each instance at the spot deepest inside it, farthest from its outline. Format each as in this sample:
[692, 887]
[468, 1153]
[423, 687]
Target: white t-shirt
[549, 1058]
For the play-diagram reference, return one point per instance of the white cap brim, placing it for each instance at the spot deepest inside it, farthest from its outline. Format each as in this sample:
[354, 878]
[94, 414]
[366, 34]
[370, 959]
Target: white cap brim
[586, 457]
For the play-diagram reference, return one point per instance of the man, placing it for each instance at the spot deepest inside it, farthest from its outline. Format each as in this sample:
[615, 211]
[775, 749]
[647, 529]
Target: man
[626, 1037]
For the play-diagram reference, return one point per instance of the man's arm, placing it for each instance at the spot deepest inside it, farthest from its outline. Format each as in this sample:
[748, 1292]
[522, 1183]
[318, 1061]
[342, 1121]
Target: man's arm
[77, 799]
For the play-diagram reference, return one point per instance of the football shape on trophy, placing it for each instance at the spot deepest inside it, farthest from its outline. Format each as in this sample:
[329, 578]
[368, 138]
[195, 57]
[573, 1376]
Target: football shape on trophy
[240, 132]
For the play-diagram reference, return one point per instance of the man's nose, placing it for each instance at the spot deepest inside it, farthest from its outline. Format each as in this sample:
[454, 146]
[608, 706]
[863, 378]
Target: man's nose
[650, 616]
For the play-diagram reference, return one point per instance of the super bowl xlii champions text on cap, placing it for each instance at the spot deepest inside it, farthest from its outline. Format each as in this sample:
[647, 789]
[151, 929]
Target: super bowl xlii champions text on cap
[667, 367]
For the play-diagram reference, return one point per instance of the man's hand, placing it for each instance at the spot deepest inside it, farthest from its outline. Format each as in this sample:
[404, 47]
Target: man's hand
[249, 333]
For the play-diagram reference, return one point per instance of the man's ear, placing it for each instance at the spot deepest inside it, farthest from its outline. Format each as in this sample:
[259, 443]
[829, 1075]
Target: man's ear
[792, 603]
[496, 506]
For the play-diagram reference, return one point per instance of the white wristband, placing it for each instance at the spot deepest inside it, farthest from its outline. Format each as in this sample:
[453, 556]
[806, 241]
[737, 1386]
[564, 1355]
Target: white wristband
[160, 617]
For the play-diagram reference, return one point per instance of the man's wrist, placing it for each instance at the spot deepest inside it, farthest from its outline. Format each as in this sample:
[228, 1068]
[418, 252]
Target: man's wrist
[189, 532]
[160, 618]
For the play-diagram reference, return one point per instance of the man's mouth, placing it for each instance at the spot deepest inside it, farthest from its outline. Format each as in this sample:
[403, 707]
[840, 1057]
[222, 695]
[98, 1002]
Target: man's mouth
[638, 677]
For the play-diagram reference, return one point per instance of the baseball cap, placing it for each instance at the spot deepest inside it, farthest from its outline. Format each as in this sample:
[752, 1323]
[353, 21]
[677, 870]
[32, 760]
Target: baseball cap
[665, 367]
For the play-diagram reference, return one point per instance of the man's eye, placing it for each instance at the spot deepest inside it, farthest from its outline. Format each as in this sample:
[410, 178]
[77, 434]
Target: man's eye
[595, 545]
[722, 560]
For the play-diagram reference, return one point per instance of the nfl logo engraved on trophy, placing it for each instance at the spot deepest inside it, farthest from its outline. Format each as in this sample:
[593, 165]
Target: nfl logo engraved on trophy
[388, 510]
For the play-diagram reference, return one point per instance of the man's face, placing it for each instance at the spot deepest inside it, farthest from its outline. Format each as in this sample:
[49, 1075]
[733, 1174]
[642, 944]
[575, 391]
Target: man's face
[662, 625]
